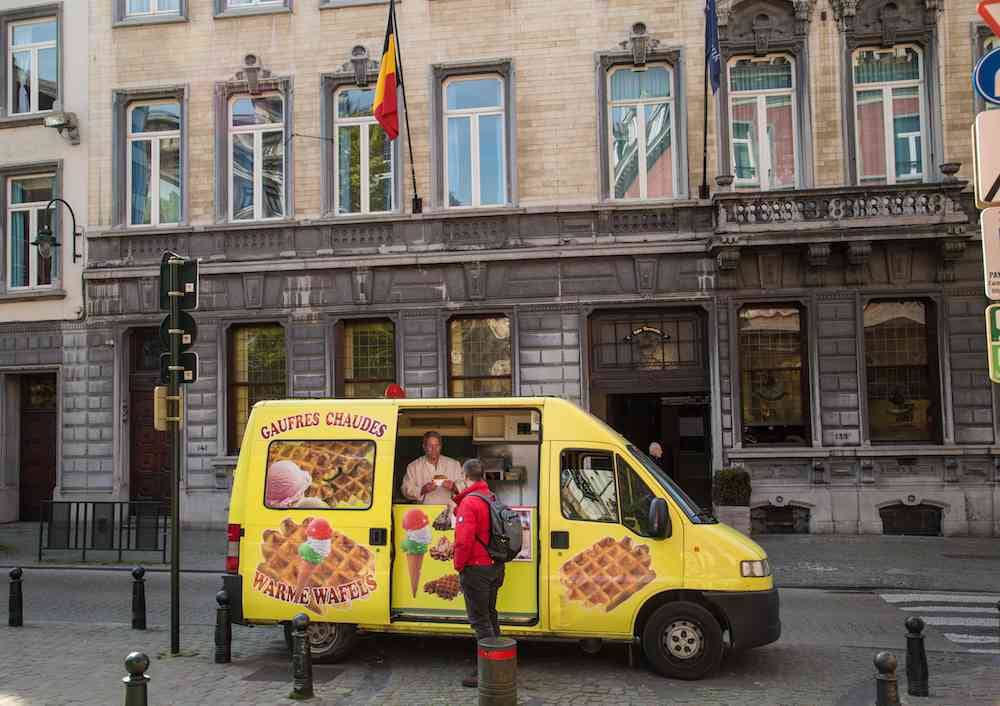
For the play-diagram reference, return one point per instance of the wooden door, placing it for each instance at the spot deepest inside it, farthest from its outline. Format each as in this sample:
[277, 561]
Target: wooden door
[38, 443]
[149, 458]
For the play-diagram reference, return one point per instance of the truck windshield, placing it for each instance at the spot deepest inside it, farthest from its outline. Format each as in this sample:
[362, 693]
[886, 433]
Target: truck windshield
[687, 505]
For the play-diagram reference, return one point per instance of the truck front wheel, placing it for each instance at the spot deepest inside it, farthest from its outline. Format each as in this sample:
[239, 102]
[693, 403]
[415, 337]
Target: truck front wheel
[328, 642]
[682, 640]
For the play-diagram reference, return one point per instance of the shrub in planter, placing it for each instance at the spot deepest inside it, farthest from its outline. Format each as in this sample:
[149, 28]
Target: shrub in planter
[731, 493]
[731, 486]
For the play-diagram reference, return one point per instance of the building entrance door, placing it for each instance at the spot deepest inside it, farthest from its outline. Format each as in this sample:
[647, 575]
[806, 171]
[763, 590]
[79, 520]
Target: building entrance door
[649, 380]
[680, 426]
[149, 457]
[38, 443]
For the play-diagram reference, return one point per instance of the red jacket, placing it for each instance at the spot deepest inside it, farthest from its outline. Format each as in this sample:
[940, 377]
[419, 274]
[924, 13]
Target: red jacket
[472, 521]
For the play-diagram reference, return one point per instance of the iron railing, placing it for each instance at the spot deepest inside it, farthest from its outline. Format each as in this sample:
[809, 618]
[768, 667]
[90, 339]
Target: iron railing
[97, 526]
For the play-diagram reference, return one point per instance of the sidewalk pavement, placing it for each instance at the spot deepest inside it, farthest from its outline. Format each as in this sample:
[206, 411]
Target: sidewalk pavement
[874, 562]
[70, 664]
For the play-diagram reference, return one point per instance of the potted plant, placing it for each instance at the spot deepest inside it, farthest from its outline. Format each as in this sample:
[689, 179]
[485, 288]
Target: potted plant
[731, 496]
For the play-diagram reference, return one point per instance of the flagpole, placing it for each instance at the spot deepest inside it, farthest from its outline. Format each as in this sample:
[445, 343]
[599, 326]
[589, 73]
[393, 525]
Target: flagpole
[703, 189]
[418, 205]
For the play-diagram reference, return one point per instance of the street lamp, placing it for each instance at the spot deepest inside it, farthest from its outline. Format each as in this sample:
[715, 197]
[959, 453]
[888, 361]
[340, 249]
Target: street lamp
[45, 241]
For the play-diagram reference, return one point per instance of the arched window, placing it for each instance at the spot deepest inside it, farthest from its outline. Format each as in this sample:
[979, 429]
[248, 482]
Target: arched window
[763, 134]
[642, 159]
[890, 114]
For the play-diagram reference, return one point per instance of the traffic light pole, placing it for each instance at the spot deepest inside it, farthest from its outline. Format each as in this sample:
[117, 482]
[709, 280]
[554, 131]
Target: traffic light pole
[174, 420]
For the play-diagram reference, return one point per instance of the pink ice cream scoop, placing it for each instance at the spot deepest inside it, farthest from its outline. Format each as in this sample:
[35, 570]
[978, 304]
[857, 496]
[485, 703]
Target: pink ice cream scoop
[286, 484]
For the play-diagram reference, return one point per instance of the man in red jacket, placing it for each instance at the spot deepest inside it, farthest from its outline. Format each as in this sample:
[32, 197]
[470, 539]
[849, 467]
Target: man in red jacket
[479, 576]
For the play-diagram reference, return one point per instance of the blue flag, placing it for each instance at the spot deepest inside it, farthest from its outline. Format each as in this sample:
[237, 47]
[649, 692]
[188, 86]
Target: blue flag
[713, 59]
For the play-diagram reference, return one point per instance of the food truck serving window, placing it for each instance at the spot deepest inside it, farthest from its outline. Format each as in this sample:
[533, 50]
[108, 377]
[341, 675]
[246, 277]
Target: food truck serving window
[320, 475]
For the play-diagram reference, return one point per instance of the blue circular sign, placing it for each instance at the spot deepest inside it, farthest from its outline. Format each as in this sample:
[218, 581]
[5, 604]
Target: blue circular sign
[986, 77]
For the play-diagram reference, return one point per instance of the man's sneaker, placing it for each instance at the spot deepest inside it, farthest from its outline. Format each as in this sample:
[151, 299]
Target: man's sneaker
[471, 681]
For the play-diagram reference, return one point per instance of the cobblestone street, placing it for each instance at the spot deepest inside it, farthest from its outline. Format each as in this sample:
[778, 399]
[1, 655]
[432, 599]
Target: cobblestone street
[415, 671]
[74, 640]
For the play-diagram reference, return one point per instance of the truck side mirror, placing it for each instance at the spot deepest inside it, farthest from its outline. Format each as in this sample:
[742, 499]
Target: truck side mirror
[659, 518]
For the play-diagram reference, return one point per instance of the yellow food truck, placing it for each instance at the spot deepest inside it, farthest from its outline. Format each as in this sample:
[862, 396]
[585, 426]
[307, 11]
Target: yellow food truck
[614, 550]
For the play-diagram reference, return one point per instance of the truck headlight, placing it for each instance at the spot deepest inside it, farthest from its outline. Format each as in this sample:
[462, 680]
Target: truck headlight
[756, 568]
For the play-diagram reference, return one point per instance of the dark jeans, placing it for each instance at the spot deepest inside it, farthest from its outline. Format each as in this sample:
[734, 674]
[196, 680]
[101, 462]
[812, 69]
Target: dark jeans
[480, 585]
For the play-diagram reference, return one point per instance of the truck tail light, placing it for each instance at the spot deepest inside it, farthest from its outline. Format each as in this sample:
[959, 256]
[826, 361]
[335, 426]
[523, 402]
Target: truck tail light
[233, 533]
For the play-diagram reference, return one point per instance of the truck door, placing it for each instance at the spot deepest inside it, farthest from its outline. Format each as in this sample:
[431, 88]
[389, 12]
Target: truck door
[603, 560]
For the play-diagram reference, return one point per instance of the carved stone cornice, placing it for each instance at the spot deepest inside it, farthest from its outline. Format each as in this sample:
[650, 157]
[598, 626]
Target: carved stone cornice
[875, 207]
[818, 259]
[858, 254]
[951, 252]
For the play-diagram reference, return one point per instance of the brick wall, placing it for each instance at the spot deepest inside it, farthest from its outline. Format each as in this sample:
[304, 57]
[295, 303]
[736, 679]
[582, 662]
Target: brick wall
[836, 333]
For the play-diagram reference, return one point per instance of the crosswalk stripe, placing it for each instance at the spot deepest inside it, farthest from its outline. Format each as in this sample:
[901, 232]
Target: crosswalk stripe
[949, 609]
[987, 651]
[964, 622]
[937, 598]
[977, 639]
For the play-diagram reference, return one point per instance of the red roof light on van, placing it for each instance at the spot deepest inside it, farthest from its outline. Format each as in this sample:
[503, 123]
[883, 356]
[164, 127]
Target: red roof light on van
[395, 392]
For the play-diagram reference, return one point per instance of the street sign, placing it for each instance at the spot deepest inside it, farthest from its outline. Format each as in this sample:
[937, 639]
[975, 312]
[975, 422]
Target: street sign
[189, 363]
[188, 282]
[187, 326]
[989, 10]
[986, 139]
[986, 76]
[993, 340]
[989, 221]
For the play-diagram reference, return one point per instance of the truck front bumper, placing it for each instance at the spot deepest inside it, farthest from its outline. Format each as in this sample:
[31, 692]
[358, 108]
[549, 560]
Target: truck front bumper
[753, 616]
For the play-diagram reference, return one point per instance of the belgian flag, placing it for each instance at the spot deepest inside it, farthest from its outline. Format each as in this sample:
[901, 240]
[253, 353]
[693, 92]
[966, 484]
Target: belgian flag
[385, 109]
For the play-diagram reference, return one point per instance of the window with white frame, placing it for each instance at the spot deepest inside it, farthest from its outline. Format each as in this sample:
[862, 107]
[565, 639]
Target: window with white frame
[257, 157]
[475, 144]
[889, 110]
[154, 163]
[762, 122]
[364, 163]
[27, 197]
[33, 69]
[643, 161]
[236, 4]
[148, 8]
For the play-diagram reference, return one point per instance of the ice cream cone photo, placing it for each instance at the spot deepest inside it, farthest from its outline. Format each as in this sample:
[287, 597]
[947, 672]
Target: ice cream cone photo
[418, 537]
[312, 553]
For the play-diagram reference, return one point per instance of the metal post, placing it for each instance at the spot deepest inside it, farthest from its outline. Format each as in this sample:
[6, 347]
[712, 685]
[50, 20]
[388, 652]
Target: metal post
[138, 598]
[497, 666]
[15, 613]
[136, 694]
[302, 673]
[223, 629]
[916, 658]
[173, 393]
[886, 687]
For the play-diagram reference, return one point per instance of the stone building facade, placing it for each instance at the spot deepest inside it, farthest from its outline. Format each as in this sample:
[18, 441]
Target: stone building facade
[44, 75]
[817, 320]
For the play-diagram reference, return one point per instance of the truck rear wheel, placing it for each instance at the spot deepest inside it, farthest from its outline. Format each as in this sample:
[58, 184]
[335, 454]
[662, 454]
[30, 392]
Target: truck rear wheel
[328, 642]
[682, 640]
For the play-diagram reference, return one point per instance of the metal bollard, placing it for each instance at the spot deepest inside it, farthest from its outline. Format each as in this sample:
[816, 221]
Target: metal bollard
[223, 629]
[916, 658]
[15, 614]
[136, 694]
[302, 670]
[497, 659]
[886, 687]
[138, 598]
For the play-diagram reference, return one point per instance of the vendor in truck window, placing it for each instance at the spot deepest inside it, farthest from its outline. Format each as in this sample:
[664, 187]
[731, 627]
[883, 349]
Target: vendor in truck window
[433, 479]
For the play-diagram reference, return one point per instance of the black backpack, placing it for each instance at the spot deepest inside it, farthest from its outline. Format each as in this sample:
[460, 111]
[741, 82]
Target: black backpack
[505, 531]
